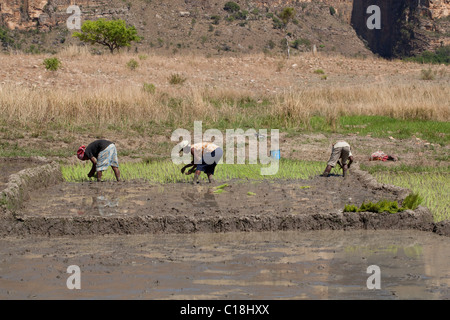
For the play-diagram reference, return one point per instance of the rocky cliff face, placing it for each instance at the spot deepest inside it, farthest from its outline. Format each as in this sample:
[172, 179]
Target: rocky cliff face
[43, 14]
[408, 26]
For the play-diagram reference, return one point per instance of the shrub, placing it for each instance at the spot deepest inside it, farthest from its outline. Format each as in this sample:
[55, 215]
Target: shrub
[231, 7]
[286, 15]
[277, 23]
[52, 64]
[149, 87]
[215, 19]
[427, 74]
[440, 56]
[5, 38]
[332, 11]
[132, 64]
[299, 42]
[176, 79]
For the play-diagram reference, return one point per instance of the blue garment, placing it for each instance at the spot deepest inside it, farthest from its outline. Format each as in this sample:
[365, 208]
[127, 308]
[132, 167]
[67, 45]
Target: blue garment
[210, 160]
[106, 158]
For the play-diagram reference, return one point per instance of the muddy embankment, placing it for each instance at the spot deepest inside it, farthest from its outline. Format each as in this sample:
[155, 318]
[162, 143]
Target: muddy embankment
[37, 202]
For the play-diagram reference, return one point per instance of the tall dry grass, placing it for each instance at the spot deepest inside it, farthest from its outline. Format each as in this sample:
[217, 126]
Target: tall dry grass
[132, 104]
[102, 90]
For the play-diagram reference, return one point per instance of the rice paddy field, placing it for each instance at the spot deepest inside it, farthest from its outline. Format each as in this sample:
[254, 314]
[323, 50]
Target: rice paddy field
[432, 185]
[168, 172]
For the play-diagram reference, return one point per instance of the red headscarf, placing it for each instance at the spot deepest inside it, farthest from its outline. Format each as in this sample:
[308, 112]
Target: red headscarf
[80, 152]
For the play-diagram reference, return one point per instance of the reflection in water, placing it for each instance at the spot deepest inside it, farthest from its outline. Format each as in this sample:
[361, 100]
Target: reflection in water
[101, 203]
[200, 197]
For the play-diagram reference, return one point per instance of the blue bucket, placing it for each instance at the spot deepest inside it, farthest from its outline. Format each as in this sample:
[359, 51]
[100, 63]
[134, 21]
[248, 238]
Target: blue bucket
[275, 154]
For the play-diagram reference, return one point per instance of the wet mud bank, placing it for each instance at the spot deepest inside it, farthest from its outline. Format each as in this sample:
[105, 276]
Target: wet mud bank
[136, 207]
[20, 176]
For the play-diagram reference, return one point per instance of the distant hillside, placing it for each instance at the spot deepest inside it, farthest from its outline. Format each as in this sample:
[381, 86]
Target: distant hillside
[206, 27]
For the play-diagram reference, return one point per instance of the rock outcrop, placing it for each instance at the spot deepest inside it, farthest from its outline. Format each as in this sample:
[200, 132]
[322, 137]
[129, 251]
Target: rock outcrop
[43, 14]
[408, 26]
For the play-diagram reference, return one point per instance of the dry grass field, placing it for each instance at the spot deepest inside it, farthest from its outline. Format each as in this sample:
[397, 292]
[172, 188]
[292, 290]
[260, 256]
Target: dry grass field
[105, 90]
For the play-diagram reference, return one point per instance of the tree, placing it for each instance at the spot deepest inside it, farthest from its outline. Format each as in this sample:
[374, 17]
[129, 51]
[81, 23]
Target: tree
[286, 16]
[113, 34]
[232, 7]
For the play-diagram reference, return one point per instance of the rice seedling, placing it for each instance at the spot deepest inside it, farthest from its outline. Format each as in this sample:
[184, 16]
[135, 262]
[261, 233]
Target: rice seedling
[168, 172]
[411, 202]
[251, 193]
[433, 187]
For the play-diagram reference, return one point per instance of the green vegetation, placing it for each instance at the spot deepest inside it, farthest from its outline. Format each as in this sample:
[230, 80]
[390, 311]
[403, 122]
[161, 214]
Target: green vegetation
[113, 34]
[380, 206]
[427, 74]
[383, 127]
[176, 79]
[132, 64]
[300, 42]
[221, 188]
[5, 38]
[433, 185]
[332, 10]
[52, 64]
[440, 56]
[149, 87]
[286, 15]
[166, 172]
[412, 201]
[231, 7]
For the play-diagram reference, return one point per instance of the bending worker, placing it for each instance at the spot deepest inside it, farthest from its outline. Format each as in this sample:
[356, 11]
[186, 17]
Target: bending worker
[103, 154]
[340, 151]
[205, 155]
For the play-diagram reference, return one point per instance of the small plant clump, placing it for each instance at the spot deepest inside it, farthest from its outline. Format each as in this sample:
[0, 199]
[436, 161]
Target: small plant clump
[149, 87]
[176, 79]
[411, 202]
[132, 64]
[427, 74]
[52, 64]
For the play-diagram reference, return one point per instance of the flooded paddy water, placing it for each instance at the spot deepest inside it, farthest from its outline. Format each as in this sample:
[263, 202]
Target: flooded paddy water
[252, 240]
[324, 264]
